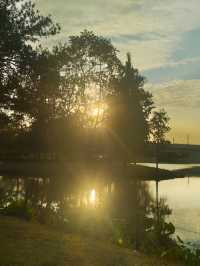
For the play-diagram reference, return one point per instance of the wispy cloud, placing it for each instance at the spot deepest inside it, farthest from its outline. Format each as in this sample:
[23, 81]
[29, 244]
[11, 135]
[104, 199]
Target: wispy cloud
[143, 27]
[177, 94]
[183, 69]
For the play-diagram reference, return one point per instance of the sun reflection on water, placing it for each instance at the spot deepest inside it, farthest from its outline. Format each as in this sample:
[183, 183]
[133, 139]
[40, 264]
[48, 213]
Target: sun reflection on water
[93, 196]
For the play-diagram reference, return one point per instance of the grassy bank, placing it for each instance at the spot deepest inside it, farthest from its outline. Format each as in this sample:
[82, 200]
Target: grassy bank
[31, 244]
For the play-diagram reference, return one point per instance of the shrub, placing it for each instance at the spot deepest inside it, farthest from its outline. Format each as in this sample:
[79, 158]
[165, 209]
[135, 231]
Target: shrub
[19, 209]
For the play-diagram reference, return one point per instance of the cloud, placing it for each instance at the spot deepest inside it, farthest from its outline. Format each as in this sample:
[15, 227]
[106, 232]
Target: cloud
[182, 70]
[184, 62]
[181, 100]
[177, 94]
[151, 30]
[189, 46]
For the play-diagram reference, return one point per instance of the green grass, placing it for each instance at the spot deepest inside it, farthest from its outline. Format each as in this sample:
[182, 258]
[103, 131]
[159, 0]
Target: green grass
[31, 244]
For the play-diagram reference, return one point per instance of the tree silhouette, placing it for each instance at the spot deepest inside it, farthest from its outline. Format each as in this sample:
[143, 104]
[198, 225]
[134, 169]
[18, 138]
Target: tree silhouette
[159, 126]
[129, 108]
[21, 26]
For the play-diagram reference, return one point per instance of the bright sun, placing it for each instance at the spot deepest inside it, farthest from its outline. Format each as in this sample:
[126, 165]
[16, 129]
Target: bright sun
[97, 111]
[94, 112]
[93, 196]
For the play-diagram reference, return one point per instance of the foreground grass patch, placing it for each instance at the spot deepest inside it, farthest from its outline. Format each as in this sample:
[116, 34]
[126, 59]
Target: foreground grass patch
[31, 244]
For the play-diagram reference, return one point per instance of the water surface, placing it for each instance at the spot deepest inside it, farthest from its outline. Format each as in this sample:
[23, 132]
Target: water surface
[183, 197]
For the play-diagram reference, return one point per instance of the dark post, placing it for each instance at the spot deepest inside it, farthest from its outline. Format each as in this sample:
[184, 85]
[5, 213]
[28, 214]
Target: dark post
[157, 182]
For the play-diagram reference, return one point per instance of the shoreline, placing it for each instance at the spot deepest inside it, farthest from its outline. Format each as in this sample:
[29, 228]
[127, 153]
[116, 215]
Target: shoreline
[97, 169]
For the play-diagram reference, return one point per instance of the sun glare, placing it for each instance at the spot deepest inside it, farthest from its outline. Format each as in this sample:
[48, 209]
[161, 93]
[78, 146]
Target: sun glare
[97, 111]
[93, 196]
[94, 112]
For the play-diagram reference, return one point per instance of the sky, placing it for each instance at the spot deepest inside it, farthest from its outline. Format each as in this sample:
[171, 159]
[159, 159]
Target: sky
[163, 37]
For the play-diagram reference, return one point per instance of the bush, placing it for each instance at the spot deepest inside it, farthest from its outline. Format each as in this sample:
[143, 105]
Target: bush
[18, 209]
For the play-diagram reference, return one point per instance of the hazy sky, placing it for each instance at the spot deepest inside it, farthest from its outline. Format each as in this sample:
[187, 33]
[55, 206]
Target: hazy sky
[163, 37]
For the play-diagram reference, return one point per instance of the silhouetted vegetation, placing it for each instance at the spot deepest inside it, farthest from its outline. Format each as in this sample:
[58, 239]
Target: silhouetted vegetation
[75, 101]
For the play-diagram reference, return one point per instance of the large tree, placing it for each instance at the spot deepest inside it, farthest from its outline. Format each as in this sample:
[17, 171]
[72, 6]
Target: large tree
[21, 26]
[91, 62]
[129, 109]
[21, 29]
[68, 84]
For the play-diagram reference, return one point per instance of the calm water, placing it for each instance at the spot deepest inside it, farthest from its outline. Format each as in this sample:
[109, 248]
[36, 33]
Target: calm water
[183, 197]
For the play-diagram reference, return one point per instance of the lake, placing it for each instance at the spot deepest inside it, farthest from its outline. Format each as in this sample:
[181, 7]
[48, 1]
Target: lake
[183, 197]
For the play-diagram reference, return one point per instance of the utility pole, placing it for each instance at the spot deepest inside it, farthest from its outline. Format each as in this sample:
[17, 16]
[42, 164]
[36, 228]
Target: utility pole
[157, 181]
